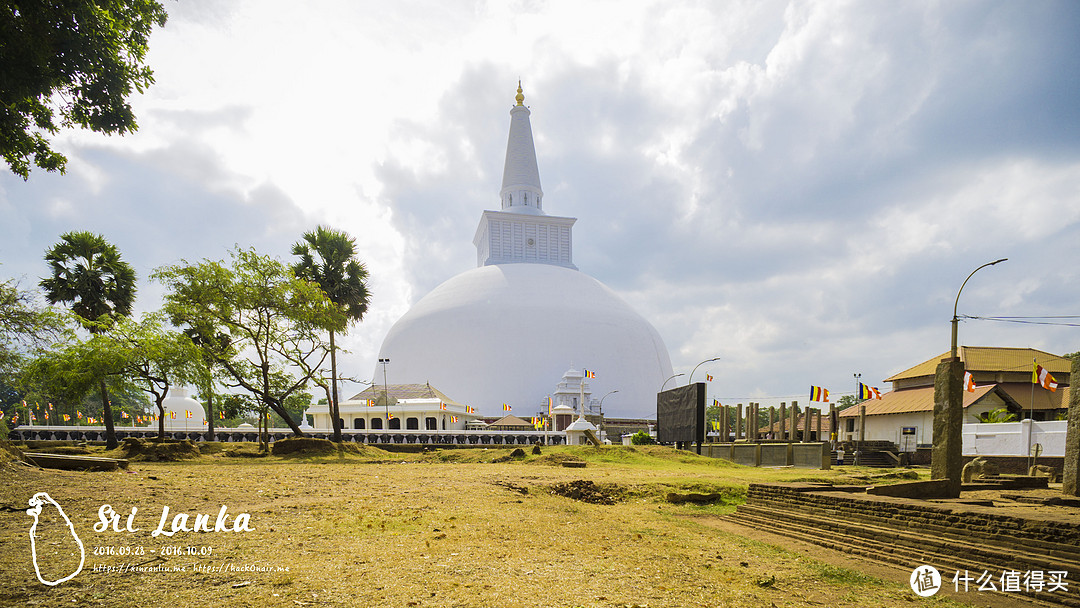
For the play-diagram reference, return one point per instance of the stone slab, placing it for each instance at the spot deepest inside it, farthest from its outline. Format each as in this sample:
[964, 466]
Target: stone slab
[71, 462]
[935, 488]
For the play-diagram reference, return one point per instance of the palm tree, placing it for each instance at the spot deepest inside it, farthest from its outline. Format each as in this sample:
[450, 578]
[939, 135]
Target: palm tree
[343, 279]
[89, 276]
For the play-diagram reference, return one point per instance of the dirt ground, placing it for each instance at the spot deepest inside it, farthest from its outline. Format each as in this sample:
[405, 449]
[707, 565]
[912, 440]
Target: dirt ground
[444, 529]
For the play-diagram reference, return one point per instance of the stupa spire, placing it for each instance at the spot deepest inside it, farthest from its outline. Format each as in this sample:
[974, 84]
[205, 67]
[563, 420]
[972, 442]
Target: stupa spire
[521, 192]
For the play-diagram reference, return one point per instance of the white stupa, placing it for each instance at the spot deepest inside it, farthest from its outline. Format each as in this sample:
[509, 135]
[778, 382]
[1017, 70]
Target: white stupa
[182, 413]
[506, 331]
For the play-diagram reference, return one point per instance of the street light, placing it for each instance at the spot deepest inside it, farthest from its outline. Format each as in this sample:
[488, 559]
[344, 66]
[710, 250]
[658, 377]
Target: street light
[691, 380]
[602, 411]
[955, 319]
[670, 378]
[386, 391]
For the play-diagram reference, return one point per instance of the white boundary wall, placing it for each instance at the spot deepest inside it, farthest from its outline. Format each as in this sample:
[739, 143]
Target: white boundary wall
[1014, 438]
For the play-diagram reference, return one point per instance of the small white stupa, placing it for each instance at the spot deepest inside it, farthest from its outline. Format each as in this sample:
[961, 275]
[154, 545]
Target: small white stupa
[182, 413]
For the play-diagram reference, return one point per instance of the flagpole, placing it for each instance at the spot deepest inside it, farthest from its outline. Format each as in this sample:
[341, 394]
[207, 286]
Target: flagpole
[1031, 408]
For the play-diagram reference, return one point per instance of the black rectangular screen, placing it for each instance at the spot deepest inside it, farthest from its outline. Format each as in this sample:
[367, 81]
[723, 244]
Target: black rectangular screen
[680, 414]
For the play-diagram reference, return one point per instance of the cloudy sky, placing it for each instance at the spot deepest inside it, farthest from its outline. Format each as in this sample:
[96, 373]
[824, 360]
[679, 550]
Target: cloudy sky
[798, 188]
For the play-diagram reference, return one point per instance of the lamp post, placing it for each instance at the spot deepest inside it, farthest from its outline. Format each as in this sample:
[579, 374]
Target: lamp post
[946, 458]
[670, 378]
[386, 391]
[602, 411]
[955, 319]
[691, 379]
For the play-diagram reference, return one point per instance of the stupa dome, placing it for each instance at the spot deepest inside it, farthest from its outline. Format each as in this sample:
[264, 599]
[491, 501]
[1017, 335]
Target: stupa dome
[178, 407]
[505, 333]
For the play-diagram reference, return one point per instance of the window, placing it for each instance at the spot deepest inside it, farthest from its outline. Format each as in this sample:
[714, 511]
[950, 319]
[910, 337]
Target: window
[395, 424]
[376, 424]
[412, 424]
[431, 424]
[850, 425]
[358, 423]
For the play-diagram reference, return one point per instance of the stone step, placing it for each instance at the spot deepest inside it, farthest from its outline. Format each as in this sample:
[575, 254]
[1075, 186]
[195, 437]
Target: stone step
[875, 550]
[942, 527]
[942, 521]
[972, 550]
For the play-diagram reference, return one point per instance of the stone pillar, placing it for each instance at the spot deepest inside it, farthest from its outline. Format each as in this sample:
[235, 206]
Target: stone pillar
[755, 428]
[738, 422]
[782, 436]
[1070, 480]
[819, 437]
[806, 425]
[793, 413]
[723, 424]
[772, 422]
[946, 460]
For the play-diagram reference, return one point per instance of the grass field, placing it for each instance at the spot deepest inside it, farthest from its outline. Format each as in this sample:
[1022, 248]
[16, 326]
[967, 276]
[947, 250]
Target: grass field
[448, 528]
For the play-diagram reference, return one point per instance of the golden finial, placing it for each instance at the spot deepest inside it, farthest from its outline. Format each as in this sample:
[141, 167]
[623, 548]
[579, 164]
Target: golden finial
[520, 97]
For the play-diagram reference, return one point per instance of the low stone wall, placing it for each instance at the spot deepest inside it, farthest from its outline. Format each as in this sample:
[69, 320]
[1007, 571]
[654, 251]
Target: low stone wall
[768, 454]
[775, 454]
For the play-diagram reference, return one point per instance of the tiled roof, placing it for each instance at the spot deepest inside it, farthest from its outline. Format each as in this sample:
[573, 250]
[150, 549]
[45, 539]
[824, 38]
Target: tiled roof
[990, 359]
[404, 391]
[916, 400]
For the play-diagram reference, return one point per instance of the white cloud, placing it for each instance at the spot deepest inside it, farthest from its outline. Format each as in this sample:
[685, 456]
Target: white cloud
[799, 187]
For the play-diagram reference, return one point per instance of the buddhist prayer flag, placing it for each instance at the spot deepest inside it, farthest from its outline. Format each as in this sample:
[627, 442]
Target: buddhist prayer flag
[819, 394]
[172, 415]
[1043, 378]
[124, 415]
[442, 406]
[589, 374]
[716, 402]
[453, 418]
[507, 408]
[78, 414]
[50, 406]
[708, 378]
[969, 382]
[470, 409]
[187, 414]
[67, 418]
[865, 392]
[221, 415]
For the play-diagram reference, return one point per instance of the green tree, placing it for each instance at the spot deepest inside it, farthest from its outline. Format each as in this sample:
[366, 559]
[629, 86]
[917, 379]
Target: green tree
[25, 327]
[327, 259]
[273, 319]
[1001, 414]
[157, 359]
[89, 276]
[73, 372]
[68, 63]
